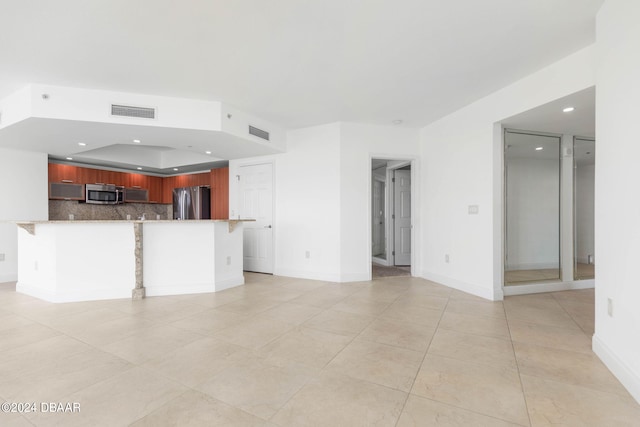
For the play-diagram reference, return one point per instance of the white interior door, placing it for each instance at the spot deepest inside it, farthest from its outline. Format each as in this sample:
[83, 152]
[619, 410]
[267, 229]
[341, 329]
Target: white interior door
[377, 219]
[402, 217]
[256, 202]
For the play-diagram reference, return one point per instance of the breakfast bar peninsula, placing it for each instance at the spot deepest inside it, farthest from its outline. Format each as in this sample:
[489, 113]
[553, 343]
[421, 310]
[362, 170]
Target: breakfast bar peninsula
[65, 261]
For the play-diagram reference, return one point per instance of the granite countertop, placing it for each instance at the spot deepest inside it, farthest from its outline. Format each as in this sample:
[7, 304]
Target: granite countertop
[103, 221]
[30, 226]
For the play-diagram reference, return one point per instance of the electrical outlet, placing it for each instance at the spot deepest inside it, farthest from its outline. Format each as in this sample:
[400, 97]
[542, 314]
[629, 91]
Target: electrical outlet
[610, 307]
[307, 254]
[446, 258]
[1, 257]
[473, 209]
[228, 260]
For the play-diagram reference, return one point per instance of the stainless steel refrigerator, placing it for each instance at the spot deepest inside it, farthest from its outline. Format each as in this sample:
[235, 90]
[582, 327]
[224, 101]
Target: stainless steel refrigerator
[192, 203]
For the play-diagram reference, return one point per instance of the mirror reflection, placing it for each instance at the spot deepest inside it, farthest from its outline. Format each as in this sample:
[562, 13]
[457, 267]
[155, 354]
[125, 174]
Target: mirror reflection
[584, 163]
[532, 207]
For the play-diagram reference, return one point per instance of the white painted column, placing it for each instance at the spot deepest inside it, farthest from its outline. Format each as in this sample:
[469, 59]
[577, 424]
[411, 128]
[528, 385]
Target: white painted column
[566, 208]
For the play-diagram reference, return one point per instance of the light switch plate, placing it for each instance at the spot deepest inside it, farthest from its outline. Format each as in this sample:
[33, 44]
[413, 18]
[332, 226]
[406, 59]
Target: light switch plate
[1, 257]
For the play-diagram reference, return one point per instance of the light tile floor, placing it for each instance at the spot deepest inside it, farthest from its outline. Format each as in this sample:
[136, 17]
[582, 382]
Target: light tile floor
[289, 352]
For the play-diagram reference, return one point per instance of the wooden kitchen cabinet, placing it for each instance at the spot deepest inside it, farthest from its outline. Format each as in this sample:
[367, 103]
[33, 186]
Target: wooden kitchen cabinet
[151, 183]
[93, 176]
[179, 181]
[219, 193]
[64, 173]
[115, 178]
[160, 189]
[136, 180]
[155, 189]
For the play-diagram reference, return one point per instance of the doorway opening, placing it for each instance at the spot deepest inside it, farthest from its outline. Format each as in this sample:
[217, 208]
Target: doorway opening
[391, 222]
[255, 201]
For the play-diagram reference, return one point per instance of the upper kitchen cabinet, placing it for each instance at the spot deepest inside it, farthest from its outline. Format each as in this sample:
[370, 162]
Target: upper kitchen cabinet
[151, 183]
[179, 181]
[64, 173]
[115, 178]
[80, 175]
[160, 190]
[137, 180]
[96, 176]
[154, 184]
[220, 193]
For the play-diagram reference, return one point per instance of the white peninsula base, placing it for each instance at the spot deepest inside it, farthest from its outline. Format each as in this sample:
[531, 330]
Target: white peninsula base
[65, 261]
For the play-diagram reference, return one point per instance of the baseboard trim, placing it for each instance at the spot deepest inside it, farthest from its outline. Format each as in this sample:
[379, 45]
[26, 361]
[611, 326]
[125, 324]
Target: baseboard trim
[72, 295]
[622, 372]
[355, 277]
[311, 275]
[380, 261]
[532, 266]
[6, 278]
[479, 291]
[229, 283]
[152, 290]
[538, 288]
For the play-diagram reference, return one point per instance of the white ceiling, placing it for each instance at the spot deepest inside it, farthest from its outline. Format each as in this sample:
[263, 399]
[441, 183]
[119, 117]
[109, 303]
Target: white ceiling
[161, 148]
[293, 62]
[550, 117]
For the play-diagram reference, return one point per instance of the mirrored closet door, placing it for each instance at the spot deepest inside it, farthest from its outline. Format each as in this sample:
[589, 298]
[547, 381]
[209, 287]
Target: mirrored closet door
[532, 207]
[584, 164]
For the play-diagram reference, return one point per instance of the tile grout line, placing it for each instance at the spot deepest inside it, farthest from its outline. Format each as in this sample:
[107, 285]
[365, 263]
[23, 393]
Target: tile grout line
[569, 314]
[423, 358]
[515, 357]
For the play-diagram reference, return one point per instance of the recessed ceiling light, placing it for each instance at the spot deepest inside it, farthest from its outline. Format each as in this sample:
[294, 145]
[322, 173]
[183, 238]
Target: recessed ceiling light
[539, 148]
[137, 141]
[139, 168]
[69, 158]
[82, 144]
[397, 122]
[568, 109]
[208, 152]
[175, 169]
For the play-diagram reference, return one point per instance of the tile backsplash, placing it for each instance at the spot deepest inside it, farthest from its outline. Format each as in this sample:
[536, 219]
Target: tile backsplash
[60, 210]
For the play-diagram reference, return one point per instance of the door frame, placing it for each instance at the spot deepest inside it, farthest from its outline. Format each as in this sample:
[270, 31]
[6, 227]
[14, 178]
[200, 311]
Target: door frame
[385, 182]
[234, 181]
[403, 161]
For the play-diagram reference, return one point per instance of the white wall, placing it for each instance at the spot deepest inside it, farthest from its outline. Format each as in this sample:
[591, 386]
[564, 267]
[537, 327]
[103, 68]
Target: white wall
[533, 213]
[308, 204]
[585, 182]
[23, 186]
[461, 158]
[323, 197]
[617, 205]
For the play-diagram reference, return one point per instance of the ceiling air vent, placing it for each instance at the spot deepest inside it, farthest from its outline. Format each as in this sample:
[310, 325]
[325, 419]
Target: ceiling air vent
[129, 111]
[259, 133]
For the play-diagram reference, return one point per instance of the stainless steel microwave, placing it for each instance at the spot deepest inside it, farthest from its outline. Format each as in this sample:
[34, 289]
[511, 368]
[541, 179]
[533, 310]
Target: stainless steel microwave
[103, 194]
